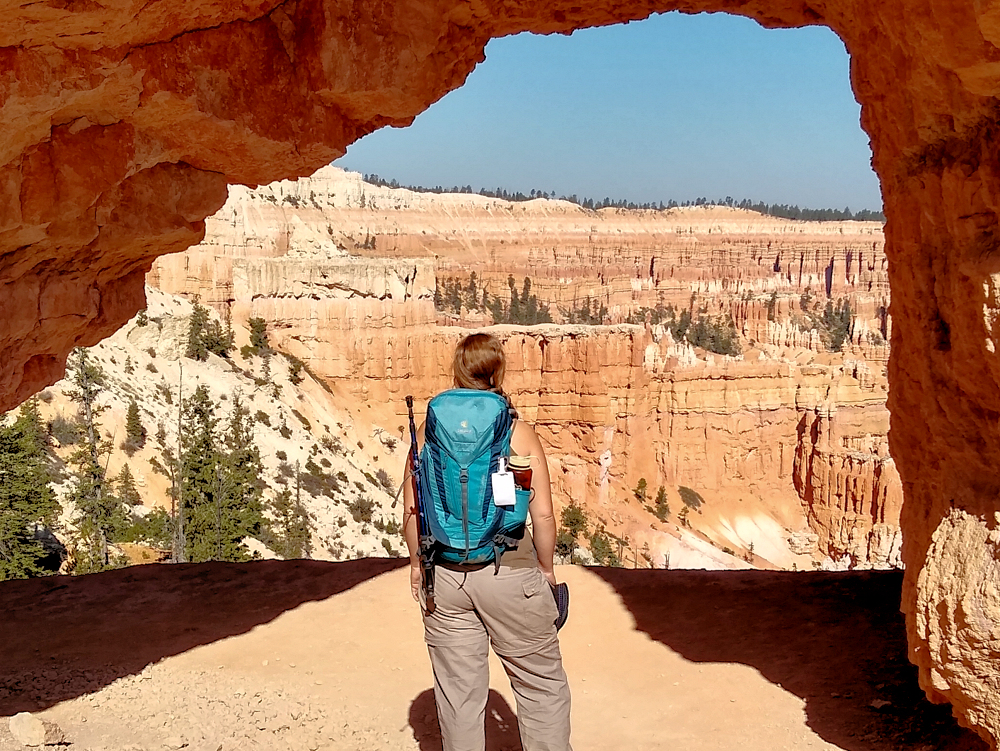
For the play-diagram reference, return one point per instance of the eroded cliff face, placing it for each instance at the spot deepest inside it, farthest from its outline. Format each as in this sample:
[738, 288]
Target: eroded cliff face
[344, 272]
[124, 122]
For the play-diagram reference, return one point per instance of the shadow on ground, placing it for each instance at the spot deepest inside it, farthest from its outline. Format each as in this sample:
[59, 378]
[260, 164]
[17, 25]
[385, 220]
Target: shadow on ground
[836, 640]
[501, 723]
[62, 636]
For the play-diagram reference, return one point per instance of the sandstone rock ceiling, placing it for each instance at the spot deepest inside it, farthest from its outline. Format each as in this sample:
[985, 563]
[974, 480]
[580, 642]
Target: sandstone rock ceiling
[124, 120]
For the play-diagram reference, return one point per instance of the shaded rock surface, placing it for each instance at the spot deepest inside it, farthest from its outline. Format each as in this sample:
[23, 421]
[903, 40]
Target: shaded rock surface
[125, 122]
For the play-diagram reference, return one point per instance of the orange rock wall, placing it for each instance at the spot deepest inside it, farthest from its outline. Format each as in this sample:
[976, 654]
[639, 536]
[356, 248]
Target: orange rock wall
[124, 121]
[367, 324]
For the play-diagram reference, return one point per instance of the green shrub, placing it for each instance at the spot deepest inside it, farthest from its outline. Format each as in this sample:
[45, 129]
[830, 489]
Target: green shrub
[361, 509]
[154, 529]
[67, 432]
[295, 366]
[165, 393]
[332, 444]
[601, 549]
[574, 520]
[565, 544]
[385, 481]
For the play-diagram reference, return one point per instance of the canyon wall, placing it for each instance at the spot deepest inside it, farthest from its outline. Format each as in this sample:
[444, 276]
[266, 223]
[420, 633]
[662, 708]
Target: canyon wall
[124, 123]
[732, 260]
[344, 273]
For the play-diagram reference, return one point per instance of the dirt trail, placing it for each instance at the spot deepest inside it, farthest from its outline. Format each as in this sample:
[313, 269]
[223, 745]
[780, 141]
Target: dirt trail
[305, 655]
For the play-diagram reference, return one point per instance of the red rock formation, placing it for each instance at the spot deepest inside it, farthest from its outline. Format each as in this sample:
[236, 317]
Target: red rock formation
[106, 107]
[367, 325]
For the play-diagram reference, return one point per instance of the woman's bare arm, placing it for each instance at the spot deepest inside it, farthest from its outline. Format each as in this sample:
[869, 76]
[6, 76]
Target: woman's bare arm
[543, 519]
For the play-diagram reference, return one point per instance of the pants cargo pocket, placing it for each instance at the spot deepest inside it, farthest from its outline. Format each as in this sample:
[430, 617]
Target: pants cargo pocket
[540, 610]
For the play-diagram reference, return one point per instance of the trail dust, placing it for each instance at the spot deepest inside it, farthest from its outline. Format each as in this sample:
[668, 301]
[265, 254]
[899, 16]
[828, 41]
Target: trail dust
[311, 655]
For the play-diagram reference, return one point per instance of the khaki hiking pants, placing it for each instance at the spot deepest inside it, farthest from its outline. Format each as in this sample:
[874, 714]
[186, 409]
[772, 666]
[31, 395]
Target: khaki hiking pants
[514, 610]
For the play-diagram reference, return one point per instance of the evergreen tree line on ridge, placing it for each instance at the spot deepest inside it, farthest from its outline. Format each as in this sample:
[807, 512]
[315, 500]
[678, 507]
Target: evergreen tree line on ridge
[714, 333]
[523, 308]
[779, 210]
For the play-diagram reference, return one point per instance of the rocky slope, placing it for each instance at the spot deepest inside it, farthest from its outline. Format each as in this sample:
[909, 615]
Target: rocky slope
[781, 439]
[294, 423]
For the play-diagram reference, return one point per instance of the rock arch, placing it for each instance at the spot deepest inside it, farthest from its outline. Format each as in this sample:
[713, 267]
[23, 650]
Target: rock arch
[124, 122]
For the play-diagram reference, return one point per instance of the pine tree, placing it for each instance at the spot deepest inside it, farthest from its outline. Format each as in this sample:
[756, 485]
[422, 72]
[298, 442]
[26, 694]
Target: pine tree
[244, 470]
[199, 480]
[472, 292]
[640, 489]
[221, 485]
[26, 500]
[101, 514]
[662, 509]
[455, 296]
[289, 534]
[515, 303]
[215, 339]
[258, 336]
[127, 491]
[228, 335]
[196, 347]
[135, 431]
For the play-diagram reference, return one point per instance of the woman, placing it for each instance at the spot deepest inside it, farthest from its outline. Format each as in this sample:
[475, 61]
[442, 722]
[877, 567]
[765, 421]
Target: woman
[510, 607]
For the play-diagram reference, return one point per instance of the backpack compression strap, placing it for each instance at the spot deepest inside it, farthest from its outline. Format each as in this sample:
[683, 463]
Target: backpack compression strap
[501, 544]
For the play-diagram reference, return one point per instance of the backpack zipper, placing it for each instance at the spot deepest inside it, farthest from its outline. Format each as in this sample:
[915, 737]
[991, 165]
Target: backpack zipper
[463, 477]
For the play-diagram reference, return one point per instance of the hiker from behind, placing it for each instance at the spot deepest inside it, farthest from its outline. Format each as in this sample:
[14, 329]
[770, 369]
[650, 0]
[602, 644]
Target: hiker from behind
[492, 577]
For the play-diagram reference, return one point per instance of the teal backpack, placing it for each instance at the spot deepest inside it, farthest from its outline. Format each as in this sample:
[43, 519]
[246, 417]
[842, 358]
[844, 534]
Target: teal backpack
[466, 433]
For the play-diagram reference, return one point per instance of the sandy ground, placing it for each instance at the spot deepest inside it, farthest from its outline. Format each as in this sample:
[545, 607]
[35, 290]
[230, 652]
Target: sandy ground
[310, 655]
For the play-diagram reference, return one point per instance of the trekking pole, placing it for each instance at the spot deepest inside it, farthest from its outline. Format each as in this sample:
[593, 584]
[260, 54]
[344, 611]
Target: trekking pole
[425, 543]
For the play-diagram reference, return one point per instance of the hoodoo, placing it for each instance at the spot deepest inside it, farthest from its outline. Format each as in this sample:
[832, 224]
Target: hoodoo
[124, 123]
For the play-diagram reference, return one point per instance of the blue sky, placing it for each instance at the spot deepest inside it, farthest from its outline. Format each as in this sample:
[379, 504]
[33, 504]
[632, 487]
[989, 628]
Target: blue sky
[674, 107]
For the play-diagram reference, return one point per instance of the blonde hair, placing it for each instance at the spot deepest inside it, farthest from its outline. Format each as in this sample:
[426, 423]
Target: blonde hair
[479, 363]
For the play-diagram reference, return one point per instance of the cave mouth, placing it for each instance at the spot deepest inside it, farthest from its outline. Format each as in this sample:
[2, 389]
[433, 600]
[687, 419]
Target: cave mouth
[670, 108]
[811, 289]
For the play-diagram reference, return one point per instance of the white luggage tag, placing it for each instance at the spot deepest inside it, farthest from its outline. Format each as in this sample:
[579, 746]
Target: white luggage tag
[503, 485]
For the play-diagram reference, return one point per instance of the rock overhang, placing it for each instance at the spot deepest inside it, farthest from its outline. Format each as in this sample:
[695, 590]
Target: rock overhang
[125, 123]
